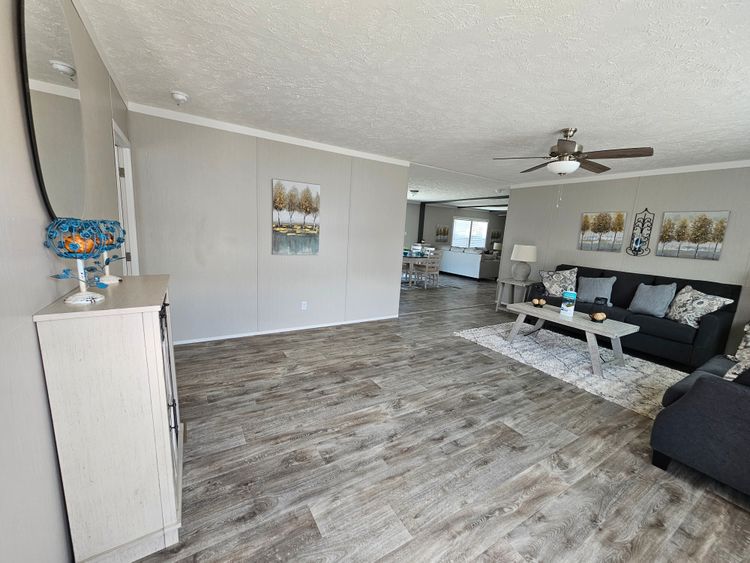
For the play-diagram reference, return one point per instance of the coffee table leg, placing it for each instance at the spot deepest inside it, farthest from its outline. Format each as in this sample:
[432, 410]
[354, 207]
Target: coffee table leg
[537, 326]
[516, 327]
[617, 349]
[596, 363]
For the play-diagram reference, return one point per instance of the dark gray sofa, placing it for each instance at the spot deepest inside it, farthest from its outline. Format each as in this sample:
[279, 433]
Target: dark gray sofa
[706, 425]
[675, 343]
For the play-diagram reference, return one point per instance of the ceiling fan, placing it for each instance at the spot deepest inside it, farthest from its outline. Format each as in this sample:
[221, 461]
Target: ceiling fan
[567, 155]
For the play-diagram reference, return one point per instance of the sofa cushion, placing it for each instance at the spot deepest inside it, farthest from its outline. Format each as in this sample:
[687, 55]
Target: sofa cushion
[742, 356]
[558, 281]
[729, 291]
[663, 328]
[591, 288]
[626, 285]
[690, 305]
[618, 314]
[653, 300]
[681, 387]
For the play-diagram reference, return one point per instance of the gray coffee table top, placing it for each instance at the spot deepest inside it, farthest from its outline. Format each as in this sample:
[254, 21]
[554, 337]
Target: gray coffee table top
[581, 321]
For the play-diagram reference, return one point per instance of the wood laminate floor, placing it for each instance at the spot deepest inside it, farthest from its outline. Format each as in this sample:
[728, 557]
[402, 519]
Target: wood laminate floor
[398, 441]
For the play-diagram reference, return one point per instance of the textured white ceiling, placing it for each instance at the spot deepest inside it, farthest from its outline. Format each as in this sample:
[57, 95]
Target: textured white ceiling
[450, 83]
[47, 37]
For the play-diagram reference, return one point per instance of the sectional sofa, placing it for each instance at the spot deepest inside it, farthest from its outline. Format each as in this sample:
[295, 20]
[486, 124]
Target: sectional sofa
[674, 343]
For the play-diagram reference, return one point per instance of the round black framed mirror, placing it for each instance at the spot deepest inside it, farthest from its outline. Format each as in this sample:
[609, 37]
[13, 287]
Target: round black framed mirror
[53, 107]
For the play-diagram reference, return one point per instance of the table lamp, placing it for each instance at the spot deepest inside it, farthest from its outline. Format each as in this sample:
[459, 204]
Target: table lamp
[497, 247]
[522, 255]
[114, 237]
[79, 239]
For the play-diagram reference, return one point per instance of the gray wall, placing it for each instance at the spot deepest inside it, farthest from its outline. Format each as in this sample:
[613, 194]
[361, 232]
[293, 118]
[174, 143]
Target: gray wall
[443, 215]
[59, 139]
[439, 215]
[96, 90]
[32, 517]
[203, 200]
[412, 224]
[32, 514]
[549, 217]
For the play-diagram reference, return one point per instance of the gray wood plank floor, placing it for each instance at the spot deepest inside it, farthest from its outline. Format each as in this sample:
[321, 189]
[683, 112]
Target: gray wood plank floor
[397, 441]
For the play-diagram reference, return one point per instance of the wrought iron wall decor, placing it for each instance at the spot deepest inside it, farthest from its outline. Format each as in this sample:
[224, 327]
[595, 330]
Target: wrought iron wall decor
[641, 237]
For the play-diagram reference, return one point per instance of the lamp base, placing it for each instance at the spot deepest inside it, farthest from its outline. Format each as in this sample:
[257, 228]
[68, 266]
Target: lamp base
[110, 279]
[84, 298]
[521, 271]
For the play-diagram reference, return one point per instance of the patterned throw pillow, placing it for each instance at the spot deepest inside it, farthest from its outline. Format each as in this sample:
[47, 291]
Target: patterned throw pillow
[742, 357]
[690, 305]
[557, 282]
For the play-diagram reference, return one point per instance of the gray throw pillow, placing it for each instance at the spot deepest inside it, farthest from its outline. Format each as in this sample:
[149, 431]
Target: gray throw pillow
[557, 282]
[690, 305]
[653, 300]
[591, 288]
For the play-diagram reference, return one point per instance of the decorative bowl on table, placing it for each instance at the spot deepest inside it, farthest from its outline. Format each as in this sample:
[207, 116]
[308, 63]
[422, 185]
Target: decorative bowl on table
[598, 317]
[538, 303]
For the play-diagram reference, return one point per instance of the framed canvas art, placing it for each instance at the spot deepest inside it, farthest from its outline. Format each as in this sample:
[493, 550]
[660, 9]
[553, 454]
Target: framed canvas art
[698, 235]
[602, 231]
[295, 218]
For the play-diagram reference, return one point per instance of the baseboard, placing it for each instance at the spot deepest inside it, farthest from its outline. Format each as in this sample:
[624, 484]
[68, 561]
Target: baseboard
[280, 330]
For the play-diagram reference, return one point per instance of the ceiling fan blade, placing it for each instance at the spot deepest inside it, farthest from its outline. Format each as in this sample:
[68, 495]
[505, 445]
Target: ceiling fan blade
[537, 167]
[516, 157]
[620, 153]
[592, 166]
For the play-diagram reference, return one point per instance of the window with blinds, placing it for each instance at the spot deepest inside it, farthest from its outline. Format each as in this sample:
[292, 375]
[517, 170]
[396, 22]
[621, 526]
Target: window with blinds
[469, 233]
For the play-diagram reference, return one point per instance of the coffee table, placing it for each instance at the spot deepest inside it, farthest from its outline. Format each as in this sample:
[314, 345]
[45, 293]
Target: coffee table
[614, 330]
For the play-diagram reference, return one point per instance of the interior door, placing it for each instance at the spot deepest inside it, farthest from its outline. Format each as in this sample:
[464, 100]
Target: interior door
[126, 201]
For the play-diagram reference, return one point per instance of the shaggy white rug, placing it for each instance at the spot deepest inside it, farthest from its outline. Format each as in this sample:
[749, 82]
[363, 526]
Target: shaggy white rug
[638, 385]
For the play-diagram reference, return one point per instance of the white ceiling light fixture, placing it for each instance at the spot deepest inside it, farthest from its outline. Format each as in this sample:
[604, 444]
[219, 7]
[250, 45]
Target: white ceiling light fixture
[179, 98]
[413, 193]
[69, 71]
[563, 167]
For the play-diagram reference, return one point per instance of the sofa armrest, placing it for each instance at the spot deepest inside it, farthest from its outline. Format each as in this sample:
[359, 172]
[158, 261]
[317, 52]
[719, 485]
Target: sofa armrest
[707, 429]
[711, 337]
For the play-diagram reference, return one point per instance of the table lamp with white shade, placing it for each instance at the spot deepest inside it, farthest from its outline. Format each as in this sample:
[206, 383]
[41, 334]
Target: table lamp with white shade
[522, 255]
[497, 247]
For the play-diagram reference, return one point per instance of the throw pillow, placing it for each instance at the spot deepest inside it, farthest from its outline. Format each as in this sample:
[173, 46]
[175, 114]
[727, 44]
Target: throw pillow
[653, 300]
[742, 357]
[690, 305]
[591, 288]
[557, 282]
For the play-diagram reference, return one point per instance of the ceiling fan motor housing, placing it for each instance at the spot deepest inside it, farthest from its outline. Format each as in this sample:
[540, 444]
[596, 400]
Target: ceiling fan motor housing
[565, 147]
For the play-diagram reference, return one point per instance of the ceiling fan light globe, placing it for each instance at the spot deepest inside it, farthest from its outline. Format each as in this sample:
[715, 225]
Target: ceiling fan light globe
[563, 167]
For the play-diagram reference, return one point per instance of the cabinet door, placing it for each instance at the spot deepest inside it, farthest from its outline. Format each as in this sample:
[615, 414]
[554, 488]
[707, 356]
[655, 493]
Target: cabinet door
[170, 384]
[98, 385]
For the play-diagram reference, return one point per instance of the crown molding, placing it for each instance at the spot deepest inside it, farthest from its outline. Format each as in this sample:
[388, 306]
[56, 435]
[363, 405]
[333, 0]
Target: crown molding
[250, 131]
[54, 89]
[639, 174]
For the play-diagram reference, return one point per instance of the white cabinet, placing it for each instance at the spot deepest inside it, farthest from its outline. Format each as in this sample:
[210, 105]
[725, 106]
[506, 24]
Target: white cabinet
[111, 384]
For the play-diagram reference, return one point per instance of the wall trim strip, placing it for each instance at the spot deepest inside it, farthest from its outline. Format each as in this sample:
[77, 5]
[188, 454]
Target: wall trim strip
[640, 173]
[54, 89]
[281, 330]
[243, 130]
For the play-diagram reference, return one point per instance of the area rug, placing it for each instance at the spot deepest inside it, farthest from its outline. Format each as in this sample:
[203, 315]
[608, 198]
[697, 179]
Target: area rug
[638, 385]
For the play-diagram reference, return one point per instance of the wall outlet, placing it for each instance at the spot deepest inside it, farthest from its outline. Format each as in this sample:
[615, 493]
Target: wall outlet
[303, 305]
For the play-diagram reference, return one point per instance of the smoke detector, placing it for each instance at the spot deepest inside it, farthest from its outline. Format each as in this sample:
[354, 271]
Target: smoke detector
[179, 97]
[69, 71]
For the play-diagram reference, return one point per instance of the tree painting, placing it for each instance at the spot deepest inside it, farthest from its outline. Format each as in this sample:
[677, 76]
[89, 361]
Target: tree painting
[279, 200]
[603, 231]
[300, 233]
[697, 235]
